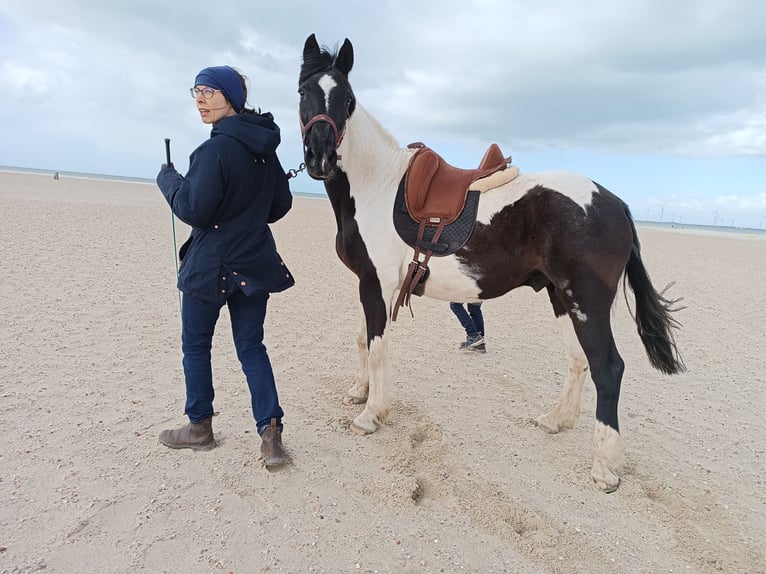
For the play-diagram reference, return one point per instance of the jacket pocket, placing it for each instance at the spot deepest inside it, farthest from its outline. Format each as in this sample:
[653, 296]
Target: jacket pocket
[183, 250]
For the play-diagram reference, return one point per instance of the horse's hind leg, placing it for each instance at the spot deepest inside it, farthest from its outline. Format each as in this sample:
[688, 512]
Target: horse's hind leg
[358, 391]
[608, 448]
[588, 304]
[565, 414]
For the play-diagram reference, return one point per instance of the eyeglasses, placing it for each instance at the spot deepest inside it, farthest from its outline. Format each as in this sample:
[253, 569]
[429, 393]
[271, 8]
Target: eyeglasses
[207, 93]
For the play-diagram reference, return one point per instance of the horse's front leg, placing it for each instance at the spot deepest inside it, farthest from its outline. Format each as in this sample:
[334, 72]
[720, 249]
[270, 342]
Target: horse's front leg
[377, 366]
[358, 392]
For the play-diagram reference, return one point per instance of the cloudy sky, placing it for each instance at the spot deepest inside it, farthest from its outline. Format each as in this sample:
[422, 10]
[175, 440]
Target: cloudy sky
[662, 102]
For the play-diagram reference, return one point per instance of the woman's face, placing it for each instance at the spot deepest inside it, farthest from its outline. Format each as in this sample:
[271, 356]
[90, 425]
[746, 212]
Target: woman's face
[213, 108]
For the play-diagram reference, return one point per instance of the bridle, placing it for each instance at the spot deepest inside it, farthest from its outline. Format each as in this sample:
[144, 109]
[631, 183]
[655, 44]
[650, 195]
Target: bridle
[328, 120]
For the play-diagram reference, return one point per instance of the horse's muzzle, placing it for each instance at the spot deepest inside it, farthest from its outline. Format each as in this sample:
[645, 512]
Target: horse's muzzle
[320, 167]
[321, 139]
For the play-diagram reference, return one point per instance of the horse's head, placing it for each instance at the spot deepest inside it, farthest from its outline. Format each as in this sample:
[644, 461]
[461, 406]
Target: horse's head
[326, 103]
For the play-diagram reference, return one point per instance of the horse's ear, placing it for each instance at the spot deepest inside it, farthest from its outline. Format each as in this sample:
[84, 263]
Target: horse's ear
[311, 47]
[345, 59]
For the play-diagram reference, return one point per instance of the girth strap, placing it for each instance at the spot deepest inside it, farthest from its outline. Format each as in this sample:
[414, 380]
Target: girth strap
[416, 269]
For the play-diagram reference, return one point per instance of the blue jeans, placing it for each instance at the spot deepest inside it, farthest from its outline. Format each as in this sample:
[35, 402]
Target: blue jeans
[471, 320]
[198, 320]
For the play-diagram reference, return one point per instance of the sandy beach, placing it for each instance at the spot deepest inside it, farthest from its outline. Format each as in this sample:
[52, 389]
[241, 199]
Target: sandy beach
[459, 480]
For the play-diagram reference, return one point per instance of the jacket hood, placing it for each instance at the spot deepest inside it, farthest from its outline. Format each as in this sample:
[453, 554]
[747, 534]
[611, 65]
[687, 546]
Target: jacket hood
[258, 132]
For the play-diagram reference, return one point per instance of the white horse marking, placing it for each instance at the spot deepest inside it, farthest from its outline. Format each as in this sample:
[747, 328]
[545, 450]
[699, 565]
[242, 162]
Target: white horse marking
[565, 414]
[379, 400]
[327, 83]
[369, 181]
[608, 457]
[577, 313]
[451, 281]
[360, 389]
[576, 187]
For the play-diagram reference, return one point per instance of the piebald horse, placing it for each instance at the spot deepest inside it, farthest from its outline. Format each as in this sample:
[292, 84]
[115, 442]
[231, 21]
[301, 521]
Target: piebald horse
[556, 230]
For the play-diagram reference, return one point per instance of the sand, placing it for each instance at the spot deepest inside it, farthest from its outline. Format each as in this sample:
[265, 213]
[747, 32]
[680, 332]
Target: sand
[459, 480]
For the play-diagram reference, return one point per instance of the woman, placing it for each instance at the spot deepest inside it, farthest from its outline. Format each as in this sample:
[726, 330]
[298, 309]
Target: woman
[234, 188]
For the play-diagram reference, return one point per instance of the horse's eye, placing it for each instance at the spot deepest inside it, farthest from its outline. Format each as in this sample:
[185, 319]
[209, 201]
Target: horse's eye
[301, 92]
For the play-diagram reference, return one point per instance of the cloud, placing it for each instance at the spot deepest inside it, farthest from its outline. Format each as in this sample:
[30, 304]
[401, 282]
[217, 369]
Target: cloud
[587, 74]
[738, 133]
[757, 202]
[103, 83]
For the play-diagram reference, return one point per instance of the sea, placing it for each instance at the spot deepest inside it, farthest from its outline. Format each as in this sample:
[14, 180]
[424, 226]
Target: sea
[660, 224]
[108, 177]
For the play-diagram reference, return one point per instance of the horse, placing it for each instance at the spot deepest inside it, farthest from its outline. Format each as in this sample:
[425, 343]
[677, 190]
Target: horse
[558, 231]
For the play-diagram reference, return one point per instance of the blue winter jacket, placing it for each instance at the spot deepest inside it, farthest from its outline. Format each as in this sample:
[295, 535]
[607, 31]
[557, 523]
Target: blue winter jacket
[234, 188]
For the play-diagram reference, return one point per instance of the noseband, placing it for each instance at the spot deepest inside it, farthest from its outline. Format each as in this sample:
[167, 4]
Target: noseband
[327, 119]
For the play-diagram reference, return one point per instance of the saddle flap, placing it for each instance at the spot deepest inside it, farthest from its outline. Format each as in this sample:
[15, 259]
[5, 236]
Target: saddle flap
[420, 174]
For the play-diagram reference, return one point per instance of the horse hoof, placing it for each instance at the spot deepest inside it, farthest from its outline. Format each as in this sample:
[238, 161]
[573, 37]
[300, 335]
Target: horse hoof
[363, 427]
[350, 400]
[548, 424]
[607, 488]
[605, 480]
[356, 395]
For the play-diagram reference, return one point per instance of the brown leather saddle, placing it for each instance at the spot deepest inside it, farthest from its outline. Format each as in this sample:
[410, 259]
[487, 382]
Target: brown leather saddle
[435, 209]
[435, 189]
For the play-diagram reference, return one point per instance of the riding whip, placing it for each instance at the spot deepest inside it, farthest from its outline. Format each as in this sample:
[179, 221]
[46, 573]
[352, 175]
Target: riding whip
[172, 217]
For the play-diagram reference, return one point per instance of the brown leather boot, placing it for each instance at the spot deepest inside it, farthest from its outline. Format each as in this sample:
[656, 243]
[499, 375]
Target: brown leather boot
[271, 448]
[196, 436]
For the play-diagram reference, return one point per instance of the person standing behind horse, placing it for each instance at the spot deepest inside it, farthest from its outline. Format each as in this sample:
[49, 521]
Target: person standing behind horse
[234, 188]
[472, 321]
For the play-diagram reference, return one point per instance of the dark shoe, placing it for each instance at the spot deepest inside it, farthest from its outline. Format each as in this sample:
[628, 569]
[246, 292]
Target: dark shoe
[481, 348]
[196, 436]
[471, 342]
[271, 448]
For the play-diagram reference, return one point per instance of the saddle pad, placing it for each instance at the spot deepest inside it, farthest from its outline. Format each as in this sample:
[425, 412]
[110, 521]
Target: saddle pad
[496, 179]
[454, 235]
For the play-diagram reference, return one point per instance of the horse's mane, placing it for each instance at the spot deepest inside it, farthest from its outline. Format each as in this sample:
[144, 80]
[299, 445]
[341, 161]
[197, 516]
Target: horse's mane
[323, 61]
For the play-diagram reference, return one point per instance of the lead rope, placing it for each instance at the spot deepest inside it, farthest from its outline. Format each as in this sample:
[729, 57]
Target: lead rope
[291, 173]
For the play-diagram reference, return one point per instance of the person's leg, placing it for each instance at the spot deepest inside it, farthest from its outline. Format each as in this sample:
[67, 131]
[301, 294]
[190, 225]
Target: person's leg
[465, 320]
[474, 310]
[247, 317]
[198, 320]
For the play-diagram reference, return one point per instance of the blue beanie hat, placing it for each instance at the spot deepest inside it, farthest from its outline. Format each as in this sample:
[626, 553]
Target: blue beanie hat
[227, 80]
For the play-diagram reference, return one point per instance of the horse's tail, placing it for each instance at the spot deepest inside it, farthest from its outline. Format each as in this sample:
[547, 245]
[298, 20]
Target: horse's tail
[653, 312]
